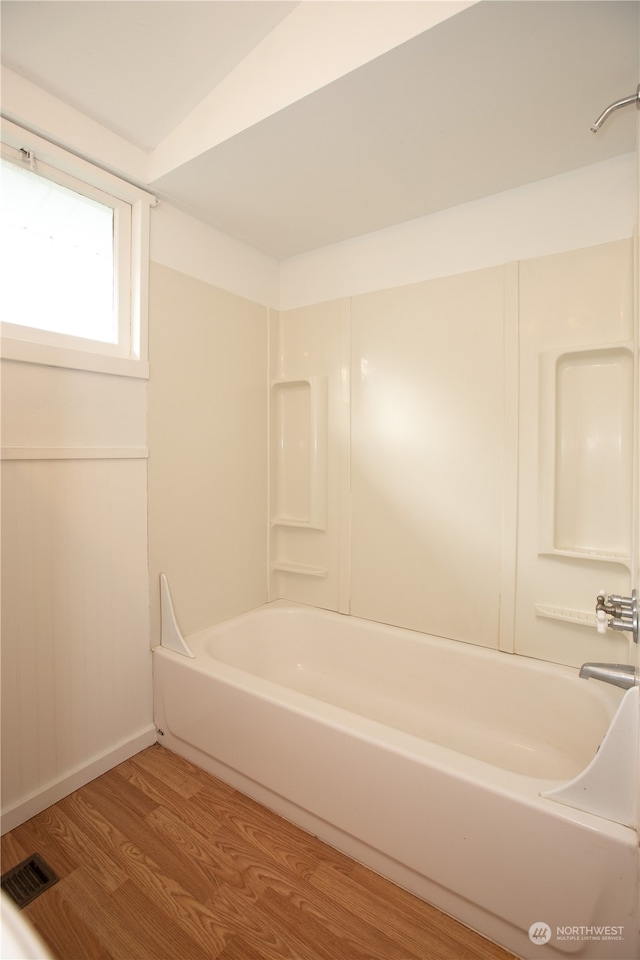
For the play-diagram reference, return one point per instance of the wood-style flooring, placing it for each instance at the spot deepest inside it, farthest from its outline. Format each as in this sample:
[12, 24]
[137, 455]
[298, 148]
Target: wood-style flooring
[157, 859]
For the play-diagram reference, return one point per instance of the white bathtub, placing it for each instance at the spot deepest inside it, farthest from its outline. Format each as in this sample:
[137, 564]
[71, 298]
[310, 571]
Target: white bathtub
[423, 758]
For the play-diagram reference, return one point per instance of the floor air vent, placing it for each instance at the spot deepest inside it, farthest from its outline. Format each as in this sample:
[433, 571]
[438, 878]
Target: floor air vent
[28, 880]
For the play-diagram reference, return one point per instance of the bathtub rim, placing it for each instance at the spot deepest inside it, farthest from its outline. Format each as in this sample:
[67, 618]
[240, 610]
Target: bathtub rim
[609, 697]
[508, 781]
[518, 787]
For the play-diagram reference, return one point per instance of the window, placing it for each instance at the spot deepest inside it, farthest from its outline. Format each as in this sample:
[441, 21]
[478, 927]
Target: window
[57, 253]
[74, 254]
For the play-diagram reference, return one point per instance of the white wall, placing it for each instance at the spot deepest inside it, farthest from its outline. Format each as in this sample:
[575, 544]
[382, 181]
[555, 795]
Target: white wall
[209, 300]
[76, 690]
[579, 209]
[78, 621]
[207, 449]
[181, 242]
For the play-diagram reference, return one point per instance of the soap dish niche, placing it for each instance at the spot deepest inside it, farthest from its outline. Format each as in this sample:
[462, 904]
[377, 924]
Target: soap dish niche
[299, 451]
[586, 453]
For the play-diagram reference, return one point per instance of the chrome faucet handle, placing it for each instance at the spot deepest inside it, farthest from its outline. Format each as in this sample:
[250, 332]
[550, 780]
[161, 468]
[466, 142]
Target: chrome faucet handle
[623, 612]
[612, 604]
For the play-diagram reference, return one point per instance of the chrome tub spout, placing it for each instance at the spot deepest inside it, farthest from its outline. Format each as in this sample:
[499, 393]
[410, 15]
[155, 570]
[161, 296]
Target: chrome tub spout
[620, 674]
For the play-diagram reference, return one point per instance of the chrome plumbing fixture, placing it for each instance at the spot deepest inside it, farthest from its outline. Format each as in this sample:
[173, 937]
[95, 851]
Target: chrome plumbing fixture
[615, 106]
[622, 611]
[619, 674]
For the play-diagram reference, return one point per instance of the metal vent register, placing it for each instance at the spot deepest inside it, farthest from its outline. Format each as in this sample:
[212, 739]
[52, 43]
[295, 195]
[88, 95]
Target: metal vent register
[28, 880]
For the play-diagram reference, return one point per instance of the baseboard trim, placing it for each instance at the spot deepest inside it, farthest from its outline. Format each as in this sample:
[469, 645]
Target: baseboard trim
[36, 802]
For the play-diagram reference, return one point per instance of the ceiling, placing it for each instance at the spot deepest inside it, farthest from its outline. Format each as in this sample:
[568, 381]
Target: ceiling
[292, 140]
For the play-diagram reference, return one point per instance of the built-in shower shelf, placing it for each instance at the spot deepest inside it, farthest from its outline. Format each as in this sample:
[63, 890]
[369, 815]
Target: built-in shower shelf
[303, 569]
[299, 445]
[586, 452]
[74, 453]
[586, 554]
[295, 522]
[581, 617]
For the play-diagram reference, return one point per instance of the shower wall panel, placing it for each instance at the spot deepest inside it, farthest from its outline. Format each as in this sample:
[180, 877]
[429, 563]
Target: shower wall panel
[481, 453]
[309, 455]
[428, 401]
[578, 416]
[207, 431]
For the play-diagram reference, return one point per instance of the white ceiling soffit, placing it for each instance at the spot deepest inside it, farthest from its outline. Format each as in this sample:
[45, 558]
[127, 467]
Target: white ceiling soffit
[292, 126]
[136, 66]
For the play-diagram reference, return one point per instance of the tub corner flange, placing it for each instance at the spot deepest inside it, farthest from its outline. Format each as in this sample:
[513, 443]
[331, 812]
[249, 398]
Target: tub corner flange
[171, 637]
[608, 787]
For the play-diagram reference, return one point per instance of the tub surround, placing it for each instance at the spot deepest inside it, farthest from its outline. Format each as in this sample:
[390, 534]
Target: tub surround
[473, 426]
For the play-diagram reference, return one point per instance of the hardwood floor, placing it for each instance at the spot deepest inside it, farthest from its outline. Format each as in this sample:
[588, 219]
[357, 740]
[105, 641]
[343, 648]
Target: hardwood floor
[157, 859]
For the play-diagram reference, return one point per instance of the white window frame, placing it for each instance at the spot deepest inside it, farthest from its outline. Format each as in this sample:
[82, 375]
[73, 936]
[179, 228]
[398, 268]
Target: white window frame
[131, 205]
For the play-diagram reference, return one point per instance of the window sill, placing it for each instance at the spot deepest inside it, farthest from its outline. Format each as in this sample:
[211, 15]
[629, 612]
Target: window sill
[38, 353]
